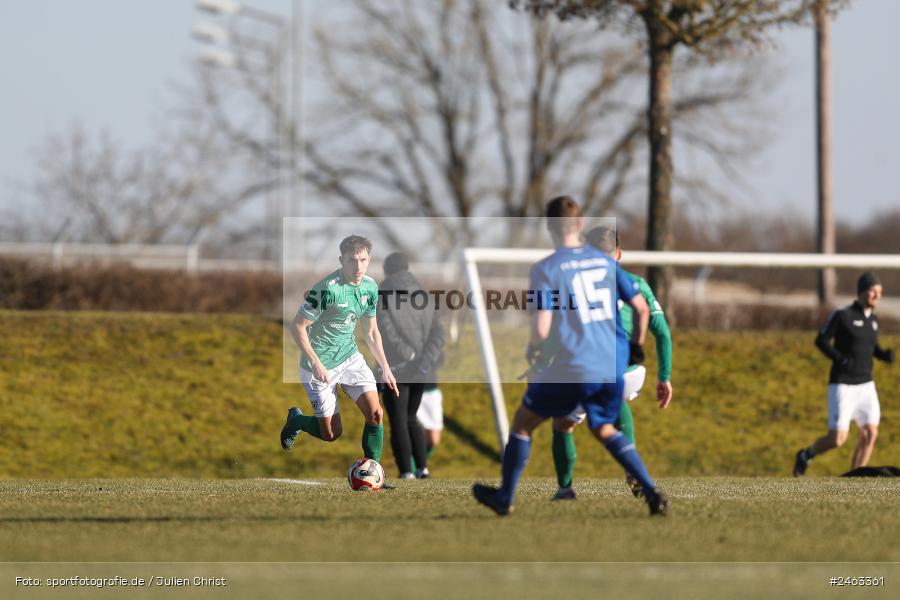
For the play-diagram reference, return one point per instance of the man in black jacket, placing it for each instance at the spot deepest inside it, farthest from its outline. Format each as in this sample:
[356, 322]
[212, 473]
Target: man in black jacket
[413, 341]
[851, 390]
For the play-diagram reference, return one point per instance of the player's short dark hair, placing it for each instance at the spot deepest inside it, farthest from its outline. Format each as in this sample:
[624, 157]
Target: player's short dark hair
[603, 238]
[354, 243]
[562, 214]
[395, 263]
[865, 281]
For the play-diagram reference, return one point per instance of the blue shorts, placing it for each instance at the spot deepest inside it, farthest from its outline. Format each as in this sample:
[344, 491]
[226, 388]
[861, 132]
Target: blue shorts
[601, 401]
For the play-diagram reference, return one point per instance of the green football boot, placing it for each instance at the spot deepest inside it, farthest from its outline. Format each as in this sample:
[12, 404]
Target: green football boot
[288, 432]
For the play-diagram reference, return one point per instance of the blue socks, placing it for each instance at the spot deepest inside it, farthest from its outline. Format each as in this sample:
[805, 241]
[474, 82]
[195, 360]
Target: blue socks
[626, 454]
[515, 457]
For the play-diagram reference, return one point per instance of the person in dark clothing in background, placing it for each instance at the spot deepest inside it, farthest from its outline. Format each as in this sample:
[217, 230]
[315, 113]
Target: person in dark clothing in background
[851, 390]
[413, 340]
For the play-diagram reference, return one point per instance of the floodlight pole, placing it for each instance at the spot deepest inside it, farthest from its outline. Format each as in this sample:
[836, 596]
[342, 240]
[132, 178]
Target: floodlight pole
[295, 173]
[283, 105]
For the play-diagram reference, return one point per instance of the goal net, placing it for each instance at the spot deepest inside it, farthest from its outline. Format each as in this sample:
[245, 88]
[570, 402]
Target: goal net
[475, 259]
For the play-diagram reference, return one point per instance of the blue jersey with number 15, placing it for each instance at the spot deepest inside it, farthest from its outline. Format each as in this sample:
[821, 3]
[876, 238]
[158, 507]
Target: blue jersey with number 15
[582, 286]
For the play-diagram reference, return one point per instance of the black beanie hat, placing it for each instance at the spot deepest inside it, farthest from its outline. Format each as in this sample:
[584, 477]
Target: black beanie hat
[865, 281]
[396, 262]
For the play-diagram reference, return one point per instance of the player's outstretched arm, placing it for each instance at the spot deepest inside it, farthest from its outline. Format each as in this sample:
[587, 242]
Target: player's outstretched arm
[300, 332]
[373, 341]
[659, 327]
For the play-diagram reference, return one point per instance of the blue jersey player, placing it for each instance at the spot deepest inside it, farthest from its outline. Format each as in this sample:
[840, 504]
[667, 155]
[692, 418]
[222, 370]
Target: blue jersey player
[575, 292]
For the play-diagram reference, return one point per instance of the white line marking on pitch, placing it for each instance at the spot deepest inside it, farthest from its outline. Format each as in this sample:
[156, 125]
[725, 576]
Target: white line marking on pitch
[294, 481]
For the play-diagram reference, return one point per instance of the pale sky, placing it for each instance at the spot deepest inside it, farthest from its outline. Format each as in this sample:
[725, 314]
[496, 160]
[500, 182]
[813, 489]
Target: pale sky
[107, 65]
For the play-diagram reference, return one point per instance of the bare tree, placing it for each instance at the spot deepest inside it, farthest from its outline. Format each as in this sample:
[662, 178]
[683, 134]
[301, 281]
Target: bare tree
[167, 191]
[706, 26]
[16, 226]
[108, 193]
[463, 109]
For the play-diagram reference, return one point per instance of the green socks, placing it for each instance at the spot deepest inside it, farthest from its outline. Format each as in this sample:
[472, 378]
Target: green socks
[564, 454]
[625, 422]
[372, 437]
[307, 423]
[373, 441]
[564, 457]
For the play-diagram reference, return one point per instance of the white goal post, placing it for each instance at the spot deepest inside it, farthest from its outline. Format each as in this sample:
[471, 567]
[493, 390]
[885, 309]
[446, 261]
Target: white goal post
[473, 256]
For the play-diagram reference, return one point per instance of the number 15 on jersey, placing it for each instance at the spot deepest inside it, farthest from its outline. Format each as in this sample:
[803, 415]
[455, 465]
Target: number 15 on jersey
[592, 295]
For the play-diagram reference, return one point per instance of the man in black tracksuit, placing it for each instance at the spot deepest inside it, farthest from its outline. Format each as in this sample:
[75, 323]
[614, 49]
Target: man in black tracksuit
[851, 390]
[413, 341]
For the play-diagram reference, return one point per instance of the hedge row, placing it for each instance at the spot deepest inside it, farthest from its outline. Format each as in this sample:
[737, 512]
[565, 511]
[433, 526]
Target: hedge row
[33, 286]
[26, 285]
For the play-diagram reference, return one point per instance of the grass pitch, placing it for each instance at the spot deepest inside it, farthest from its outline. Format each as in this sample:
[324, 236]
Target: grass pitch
[756, 535]
[90, 395]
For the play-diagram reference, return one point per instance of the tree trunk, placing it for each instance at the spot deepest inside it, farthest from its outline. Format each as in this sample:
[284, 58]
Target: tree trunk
[825, 237]
[659, 115]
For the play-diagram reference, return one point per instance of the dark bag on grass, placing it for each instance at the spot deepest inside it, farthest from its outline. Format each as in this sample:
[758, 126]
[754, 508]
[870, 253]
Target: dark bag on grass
[873, 472]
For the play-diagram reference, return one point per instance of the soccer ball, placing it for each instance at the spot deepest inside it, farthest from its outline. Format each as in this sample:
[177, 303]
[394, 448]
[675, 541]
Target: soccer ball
[365, 474]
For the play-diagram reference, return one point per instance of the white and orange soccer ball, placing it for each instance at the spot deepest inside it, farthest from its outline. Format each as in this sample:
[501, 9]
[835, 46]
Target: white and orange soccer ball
[366, 474]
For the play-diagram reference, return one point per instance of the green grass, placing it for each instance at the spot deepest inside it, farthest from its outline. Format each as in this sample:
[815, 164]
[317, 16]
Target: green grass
[713, 520]
[239, 520]
[138, 395]
[124, 397]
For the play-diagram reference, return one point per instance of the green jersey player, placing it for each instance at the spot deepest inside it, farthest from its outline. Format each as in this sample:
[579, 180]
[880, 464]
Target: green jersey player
[564, 454]
[324, 331]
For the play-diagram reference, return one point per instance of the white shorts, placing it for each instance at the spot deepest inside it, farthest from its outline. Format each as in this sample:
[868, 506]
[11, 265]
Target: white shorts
[634, 381]
[848, 402]
[353, 375]
[431, 411]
